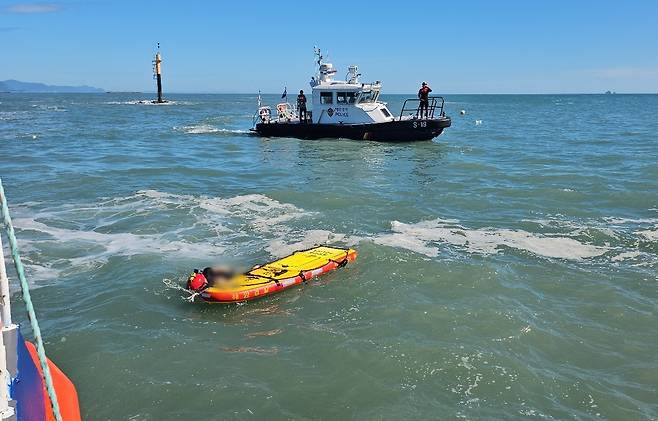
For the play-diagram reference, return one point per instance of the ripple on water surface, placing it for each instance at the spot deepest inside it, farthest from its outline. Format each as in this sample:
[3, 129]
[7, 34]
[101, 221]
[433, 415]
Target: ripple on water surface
[506, 270]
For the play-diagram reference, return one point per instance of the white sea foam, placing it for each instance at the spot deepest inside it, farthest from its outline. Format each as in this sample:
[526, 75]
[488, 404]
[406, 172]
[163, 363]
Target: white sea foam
[624, 221]
[262, 213]
[574, 228]
[101, 246]
[54, 108]
[641, 227]
[214, 224]
[148, 102]
[207, 128]
[613, 227]
[408, 242]
[280, 247]
[651, 235]
[636, 258]
[628, 255]
[423, 237]
[198, 129]
[75, 235]
[36, 272]
[14, 115]
[265, 216]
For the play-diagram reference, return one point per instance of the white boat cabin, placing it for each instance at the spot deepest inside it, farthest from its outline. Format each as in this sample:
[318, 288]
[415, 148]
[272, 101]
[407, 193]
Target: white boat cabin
[334, 101]
[346, 102]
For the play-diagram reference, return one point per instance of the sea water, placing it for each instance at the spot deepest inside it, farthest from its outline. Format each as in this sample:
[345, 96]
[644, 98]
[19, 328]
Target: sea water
[507, 269]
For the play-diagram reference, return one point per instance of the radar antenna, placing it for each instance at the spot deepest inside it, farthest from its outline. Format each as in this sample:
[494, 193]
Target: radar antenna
[318, 56]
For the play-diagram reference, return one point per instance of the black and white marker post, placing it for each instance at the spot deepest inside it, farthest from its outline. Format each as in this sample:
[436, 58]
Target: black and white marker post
[158, 75]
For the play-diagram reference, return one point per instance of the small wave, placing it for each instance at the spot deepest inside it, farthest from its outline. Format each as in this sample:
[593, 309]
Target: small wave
[280, 247]
[14, 115]
[423, 236]
[111, 244]
[54, 108]
[251, 350]
[628, 255]
[616, 228]
[60, 239]
[208, 128]
[636, 259]
[28, 136]
[633, 221]
[54, 237]
[148, 102]
[197, 129]
[651, 235]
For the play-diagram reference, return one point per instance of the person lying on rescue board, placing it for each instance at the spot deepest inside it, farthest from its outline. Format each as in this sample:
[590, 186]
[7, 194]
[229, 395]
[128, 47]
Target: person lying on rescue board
[214, 276]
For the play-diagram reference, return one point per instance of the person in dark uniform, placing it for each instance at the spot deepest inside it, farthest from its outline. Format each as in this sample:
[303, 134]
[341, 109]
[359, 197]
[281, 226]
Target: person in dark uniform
[423, 95]
[301, 106]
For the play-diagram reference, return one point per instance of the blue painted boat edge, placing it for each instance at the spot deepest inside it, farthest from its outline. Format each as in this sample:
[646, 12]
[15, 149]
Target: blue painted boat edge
[27, 387]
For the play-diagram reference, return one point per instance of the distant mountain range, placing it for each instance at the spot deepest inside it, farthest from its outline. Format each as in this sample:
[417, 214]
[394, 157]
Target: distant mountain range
[18, 86]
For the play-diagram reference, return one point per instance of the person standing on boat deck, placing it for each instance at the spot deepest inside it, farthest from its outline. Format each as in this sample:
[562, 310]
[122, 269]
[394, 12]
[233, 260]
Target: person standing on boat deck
[423, 95]
[301, 106]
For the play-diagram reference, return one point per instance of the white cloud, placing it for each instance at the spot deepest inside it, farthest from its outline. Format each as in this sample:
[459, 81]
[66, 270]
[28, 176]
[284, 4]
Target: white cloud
[33, 8]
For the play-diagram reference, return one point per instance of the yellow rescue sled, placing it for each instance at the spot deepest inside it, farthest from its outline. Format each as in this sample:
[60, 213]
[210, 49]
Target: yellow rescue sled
[270, 278]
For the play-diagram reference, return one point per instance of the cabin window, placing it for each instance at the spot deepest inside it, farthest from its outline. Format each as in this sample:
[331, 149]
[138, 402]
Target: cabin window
[368, 96]
[326, 97]
[385, 112]
[341, 97]
[351, 97]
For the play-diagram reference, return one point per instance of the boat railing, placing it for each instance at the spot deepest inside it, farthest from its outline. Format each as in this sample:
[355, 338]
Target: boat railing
[5, 313]
[263, 114]
[435, 104]
[284, 111]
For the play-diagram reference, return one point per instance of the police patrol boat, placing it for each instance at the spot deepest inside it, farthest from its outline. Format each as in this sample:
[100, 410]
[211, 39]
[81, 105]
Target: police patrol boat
[350, 109]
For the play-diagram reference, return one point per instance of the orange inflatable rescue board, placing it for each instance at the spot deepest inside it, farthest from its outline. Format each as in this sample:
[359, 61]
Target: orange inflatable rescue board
[220, 285]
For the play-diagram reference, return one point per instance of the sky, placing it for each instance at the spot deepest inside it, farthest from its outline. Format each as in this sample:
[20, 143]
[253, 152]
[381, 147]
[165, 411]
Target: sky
[467, 46]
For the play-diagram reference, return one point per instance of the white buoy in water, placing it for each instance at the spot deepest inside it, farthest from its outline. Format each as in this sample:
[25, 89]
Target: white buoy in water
[462, 112]
[478, 122]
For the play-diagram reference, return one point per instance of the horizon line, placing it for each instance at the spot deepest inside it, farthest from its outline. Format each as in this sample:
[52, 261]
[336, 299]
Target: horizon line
[390, 93]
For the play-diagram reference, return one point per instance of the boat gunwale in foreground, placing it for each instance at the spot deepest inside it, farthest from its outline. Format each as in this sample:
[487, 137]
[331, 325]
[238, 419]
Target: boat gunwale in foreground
[34, 389]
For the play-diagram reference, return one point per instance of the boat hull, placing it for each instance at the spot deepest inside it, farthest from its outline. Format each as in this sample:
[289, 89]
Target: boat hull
[29, 391]
[402, 131]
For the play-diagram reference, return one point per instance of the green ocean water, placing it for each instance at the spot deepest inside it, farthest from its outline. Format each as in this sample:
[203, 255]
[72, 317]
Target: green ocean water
[507, 270]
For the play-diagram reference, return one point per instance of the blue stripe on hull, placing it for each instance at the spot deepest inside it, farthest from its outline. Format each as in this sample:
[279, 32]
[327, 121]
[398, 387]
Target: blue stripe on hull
[27, 388]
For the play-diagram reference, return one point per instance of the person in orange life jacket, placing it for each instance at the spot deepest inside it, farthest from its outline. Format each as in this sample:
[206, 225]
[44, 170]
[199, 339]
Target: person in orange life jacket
[210, 276]
[423, 95]
[301, 106]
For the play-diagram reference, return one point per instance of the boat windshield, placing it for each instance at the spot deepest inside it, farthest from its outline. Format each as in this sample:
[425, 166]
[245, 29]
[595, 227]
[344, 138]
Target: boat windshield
[346, 97]
[368, 96]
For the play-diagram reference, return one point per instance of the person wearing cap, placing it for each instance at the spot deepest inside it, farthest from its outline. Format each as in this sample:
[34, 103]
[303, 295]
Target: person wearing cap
[423, 96]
